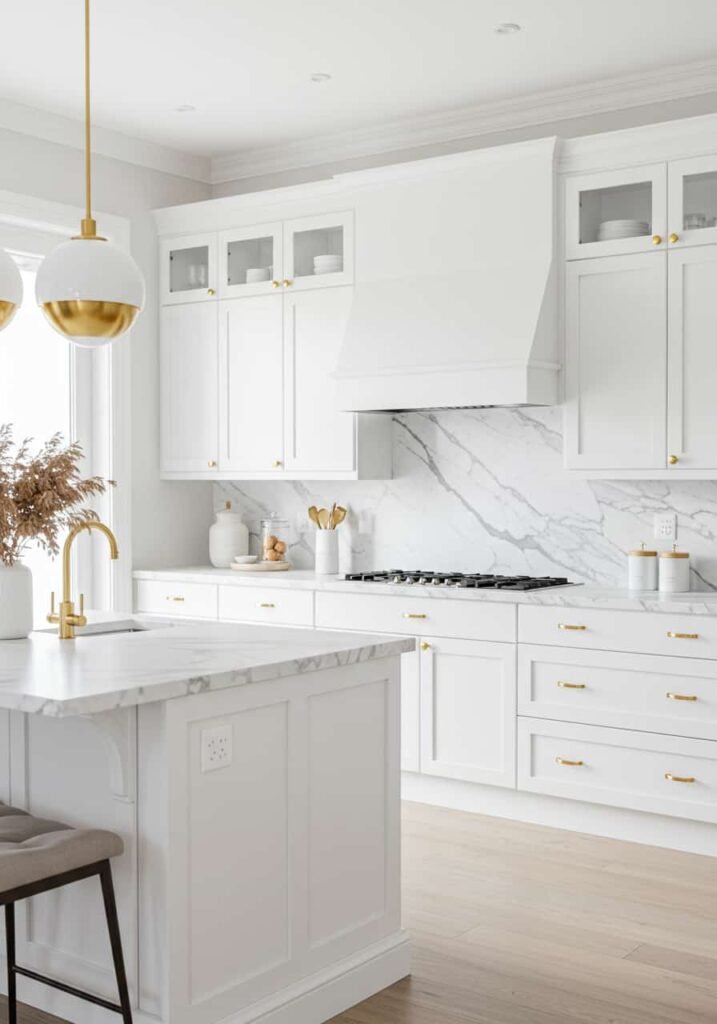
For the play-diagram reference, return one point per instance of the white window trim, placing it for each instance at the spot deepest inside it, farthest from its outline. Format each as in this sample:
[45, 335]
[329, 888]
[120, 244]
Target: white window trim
[61, 221]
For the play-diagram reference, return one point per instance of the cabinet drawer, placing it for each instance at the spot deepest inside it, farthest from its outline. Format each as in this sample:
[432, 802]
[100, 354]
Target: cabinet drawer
[627, 691]
[276, 605]
[691, 636]
[645, 772]
[193, 600]
[373, 613]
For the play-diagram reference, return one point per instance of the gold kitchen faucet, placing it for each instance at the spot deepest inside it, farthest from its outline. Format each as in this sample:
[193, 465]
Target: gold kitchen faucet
[67, 619]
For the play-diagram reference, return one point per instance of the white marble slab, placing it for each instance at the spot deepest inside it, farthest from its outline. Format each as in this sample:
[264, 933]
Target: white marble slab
[102, 671]
[581, 596]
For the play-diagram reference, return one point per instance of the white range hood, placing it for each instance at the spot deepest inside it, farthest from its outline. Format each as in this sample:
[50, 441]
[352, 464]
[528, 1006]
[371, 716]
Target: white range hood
[480, 332]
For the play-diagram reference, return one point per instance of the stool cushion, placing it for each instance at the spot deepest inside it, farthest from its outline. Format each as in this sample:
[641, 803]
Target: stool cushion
[33, 849]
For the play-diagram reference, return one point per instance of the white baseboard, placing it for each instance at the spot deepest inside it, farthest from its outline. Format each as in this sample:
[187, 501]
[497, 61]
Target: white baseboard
[575, 815]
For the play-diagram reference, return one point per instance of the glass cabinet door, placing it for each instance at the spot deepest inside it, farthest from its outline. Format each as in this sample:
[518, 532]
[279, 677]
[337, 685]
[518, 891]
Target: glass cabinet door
[318, 251]
[692, 207]
[615, 212]
[188, 268]
[250, 260]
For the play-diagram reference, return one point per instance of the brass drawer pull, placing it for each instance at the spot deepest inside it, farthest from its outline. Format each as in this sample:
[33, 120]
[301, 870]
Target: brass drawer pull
[178, 599]
[570, 686]
[679, 778]
[266, 604]
[415, 615]
[569, 625]
[680, 696]
[565, 763]
[683, 636]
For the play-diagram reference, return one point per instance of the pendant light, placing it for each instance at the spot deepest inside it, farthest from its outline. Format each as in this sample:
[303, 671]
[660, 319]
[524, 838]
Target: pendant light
[10, 289]
[89, 289]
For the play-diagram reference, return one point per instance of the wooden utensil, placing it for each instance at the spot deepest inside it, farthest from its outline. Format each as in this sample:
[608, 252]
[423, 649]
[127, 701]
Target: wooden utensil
[339, 515]
[314, 515]
[324, 516]
[332, 524]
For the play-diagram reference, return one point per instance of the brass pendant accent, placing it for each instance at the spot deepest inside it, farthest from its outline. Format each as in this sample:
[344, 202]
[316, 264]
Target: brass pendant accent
[87, 318]
[7, 312]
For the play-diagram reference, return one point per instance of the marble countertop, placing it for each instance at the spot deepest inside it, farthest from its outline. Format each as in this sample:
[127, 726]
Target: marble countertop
[579, 596]
[101, 670]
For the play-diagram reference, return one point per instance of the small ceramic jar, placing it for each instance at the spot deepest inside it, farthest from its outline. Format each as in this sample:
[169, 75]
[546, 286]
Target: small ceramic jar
[642, 569]
[274, 539]
[228, 537]
[674, 571]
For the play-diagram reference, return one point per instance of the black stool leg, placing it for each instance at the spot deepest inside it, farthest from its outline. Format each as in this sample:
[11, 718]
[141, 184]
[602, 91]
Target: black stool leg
[108, 894]
[11, 978]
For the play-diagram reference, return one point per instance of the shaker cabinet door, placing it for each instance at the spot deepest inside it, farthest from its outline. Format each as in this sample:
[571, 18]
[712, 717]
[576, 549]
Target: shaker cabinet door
[318, 435]
[188, 398]
[616, 355]
[692, 359]
[250, 385]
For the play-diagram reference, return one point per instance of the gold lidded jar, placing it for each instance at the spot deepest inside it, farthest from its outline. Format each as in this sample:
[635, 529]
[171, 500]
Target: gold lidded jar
[674, 571]
[642, 569]
[274, 539]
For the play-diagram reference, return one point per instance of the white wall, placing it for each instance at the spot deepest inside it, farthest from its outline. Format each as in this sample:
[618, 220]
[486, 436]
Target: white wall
[169, 520]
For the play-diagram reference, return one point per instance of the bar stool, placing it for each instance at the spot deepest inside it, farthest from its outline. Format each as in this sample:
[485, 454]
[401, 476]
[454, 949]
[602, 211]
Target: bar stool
[38, 855]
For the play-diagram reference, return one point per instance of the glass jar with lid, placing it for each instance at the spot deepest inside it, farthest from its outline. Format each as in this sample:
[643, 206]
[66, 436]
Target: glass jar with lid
[274, 539]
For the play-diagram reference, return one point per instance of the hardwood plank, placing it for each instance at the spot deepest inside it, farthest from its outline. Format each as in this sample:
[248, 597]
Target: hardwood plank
[676, 960]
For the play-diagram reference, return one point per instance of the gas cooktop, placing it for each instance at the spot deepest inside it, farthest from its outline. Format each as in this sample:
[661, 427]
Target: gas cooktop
[476, 580]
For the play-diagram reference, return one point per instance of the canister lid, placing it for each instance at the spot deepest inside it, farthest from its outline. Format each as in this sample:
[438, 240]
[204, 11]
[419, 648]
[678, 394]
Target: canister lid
[641, 553]
[674, 554]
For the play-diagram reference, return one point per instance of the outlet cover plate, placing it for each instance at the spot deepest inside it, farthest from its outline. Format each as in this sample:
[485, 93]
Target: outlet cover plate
[665, 526]
[216, 747]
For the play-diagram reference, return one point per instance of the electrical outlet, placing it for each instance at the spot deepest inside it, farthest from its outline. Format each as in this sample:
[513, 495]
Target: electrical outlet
[216, 747]
[665, 526]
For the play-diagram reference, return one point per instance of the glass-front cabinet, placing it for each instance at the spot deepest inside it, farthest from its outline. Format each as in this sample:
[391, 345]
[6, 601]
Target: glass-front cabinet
[251, 260]
[692, 216]
[318, 251]
[188, 269]
[612, 213]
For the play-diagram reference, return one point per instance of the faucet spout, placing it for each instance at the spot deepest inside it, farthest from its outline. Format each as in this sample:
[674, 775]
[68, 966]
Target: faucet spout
[67, 619]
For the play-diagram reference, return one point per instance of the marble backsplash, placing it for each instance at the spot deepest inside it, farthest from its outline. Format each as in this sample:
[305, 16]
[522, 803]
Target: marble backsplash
[484, 490]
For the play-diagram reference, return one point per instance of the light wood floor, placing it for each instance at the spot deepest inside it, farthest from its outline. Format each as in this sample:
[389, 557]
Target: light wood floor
[518, 924]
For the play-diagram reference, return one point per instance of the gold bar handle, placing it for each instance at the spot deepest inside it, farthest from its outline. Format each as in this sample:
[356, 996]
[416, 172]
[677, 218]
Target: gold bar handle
[680, 696]
[265, 604]
[570, 686]
[679, 778]
[179, 600]
[683, 636]
[415, 615]
[565, 763]
[570, 626]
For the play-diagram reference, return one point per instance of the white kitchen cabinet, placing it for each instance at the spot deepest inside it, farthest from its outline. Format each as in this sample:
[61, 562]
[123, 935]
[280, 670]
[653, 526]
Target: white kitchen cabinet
[637, 194]
[251, 385]
[306, 238]
[188, 268]
[246, 252]
[692, 359]
[616, 356]
[468, 700]
[410, 712]
[319, 436]
[188, 389]
[692, 201]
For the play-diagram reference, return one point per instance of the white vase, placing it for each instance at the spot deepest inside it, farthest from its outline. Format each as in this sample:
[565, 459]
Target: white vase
[15, 601]
[228, 537]
[327, 552]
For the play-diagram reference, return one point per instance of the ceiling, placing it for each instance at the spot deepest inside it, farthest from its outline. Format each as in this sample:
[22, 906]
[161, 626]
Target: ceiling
[246, 65]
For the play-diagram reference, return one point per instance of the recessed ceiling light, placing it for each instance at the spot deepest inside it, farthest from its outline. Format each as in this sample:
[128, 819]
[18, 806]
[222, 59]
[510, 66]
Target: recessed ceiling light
[507, 28]
[320, 76]
[185, 108]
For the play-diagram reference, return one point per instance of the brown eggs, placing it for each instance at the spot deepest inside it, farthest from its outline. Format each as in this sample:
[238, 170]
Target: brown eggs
[274, 549]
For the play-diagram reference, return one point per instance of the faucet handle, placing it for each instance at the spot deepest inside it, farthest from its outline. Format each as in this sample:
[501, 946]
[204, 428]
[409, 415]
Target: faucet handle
[80, 619]
[82, 604]
[53, 617]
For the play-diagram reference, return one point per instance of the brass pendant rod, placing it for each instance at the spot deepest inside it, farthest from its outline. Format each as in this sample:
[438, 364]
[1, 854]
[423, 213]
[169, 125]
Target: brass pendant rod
[89, 227]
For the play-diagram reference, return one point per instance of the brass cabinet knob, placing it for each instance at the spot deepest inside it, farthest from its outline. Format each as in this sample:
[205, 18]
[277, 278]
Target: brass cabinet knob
[287, 284]
[424, 645]
[212, 464]
[673, 460]
[210, 291]
[276, 284]
[276, 464]
[674, 238]
[657, 239]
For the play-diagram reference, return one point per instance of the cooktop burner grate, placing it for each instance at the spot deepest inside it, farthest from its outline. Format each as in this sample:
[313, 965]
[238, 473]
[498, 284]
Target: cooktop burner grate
[483, 581]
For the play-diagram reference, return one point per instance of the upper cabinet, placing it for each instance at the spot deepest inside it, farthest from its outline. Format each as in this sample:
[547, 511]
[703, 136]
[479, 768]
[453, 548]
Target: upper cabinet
[319, 251]
[188, 269]
[251, 260]
[693, 201]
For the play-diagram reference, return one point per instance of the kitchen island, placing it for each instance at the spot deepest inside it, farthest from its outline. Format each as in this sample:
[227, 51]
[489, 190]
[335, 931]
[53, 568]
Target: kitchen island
[253, 774]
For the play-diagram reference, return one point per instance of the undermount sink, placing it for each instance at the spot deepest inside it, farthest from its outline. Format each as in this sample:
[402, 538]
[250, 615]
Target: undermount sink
[100, 629]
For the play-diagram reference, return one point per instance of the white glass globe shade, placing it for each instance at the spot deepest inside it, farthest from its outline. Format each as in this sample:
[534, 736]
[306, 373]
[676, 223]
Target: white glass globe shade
[90, 291]
[10, 289]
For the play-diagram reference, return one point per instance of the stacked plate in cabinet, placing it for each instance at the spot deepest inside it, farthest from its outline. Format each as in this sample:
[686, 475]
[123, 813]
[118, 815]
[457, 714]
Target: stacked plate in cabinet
[328, 264]
[610, 230]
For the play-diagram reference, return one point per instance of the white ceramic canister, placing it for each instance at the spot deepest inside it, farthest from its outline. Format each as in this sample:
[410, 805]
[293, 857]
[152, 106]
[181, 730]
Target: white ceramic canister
[228, 536]
[674, 571]
[327, 552]
[15, 601]
[642, 569]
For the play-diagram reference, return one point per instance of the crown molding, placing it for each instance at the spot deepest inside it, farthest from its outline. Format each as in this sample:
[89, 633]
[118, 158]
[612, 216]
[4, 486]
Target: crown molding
[66, 131]
[617, 93]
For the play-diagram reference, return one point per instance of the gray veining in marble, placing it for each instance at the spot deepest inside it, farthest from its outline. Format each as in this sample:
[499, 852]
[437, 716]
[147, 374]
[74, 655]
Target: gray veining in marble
[484, 490]
[94, 673]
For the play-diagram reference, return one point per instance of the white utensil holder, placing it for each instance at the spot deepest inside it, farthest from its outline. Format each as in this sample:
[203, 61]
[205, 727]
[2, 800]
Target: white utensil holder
[327, 552]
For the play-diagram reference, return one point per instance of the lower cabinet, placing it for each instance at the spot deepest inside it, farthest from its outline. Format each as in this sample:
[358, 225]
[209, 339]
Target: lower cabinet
[410, 712]
[467, 724]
